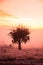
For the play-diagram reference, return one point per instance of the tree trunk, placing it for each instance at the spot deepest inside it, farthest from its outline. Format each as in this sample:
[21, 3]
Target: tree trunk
[19, 45]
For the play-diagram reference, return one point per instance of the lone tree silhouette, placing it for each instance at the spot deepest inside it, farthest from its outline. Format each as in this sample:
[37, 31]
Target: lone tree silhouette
[19, 35]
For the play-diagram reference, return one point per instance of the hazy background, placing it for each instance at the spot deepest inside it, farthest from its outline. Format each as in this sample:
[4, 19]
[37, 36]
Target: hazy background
[23, 8]
[36, 38]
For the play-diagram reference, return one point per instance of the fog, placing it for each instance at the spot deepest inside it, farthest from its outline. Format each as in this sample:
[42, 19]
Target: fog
[36, 38]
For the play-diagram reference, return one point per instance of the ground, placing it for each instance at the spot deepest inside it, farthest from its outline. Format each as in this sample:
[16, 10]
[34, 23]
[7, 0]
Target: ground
[11, 55]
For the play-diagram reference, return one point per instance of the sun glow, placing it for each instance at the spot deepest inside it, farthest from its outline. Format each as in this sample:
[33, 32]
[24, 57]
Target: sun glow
[10, 21]
[14, 21]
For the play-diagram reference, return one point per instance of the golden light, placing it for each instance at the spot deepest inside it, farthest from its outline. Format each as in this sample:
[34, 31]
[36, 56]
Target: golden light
[14, 21]
[10, 21]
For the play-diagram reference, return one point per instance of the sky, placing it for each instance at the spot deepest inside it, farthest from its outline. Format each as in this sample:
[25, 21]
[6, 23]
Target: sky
[26, 12]
[29, 12]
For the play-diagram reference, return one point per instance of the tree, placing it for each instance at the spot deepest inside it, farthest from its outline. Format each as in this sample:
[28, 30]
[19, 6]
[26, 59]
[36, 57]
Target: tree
[19, 35]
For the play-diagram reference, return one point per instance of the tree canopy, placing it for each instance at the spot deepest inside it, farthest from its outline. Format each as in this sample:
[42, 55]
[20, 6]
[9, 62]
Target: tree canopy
[20, 34]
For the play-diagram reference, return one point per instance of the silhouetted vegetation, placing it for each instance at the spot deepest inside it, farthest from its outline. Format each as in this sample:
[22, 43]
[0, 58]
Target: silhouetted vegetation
[8, 59]
[19, 35]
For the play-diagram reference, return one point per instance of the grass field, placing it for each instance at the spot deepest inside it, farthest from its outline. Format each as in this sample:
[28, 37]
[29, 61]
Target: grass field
[13, 56]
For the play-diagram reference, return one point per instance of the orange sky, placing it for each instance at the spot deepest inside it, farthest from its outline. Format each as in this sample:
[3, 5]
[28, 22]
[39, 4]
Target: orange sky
[26, 12]
[29, 12]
